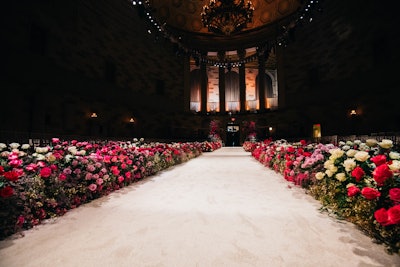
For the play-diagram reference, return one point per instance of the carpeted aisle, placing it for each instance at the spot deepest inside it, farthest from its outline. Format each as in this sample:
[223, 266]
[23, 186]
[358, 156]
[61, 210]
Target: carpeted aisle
[221, 209]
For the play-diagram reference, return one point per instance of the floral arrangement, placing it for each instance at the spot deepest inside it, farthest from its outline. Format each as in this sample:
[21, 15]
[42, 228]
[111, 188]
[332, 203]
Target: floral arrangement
[357, 181]
[215, 129]
[45, 182]
[249, 130]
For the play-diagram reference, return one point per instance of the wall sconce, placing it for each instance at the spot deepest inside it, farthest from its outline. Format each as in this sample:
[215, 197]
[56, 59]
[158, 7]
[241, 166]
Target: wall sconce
[353, 112]
[131, 120]
[93, 115]
[270, 129]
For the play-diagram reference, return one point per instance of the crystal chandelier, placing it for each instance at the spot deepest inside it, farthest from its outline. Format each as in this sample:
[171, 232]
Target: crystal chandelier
[227, 17]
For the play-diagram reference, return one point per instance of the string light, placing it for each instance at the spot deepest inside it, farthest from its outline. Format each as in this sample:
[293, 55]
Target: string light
[303, 15]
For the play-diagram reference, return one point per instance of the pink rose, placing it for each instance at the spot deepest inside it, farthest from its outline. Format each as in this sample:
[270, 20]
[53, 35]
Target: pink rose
[92, 187]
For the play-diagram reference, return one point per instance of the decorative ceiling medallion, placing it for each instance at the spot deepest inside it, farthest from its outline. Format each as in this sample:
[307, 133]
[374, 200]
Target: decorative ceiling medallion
[283, 6]
[266, 17]
[177, 3]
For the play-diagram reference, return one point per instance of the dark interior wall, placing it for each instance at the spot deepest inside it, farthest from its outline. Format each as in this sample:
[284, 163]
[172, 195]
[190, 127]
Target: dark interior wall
[346, 58]
[63, 60]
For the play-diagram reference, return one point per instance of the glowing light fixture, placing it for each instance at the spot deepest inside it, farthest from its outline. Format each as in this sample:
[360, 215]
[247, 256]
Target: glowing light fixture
[93, 115]
[227, 17]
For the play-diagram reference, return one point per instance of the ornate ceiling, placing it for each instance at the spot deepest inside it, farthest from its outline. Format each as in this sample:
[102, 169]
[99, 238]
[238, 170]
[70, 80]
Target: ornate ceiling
[182, 18]
[180, 22]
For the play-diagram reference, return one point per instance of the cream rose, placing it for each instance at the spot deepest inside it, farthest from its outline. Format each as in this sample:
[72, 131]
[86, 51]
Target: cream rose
[319, 175]
[361, 156]
[14, 145]
[329, 173]
[349, 164]
[351, 152]
[386, 143]
[336, 153]
[395, 166]
[340, 177]
[371, 142]
[394, 155]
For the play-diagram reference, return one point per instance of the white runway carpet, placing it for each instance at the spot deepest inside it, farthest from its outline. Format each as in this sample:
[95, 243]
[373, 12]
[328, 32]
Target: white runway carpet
[221, 209]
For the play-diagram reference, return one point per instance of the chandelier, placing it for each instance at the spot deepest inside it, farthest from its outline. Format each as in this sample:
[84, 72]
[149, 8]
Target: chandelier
[227, 17]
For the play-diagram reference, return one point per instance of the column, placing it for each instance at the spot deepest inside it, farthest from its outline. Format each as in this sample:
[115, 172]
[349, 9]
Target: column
[261, 81]
[221, 83]
[204, 86]
[242, 80]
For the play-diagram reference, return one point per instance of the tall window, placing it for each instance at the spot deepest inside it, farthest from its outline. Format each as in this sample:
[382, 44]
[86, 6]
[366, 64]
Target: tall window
[270, 89]
[195, 90]
[232, 91]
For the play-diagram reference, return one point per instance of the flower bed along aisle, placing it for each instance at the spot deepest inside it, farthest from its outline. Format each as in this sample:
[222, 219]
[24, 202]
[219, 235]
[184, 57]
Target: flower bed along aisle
[44, 182]
[357, 181]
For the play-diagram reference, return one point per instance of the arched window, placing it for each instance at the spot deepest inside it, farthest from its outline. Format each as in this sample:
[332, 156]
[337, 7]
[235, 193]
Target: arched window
[271, 101]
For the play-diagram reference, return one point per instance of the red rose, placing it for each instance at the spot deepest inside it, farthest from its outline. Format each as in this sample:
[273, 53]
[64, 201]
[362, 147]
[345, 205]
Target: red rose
[394, 214]
[370, 193]
[394, 194]
[6, 192]
[1, 170]
[11, 175]
[379, 160]
[357, 173]
[45, 172]
[62, 177]
[353, 191]
[381, 216]
[382, 173]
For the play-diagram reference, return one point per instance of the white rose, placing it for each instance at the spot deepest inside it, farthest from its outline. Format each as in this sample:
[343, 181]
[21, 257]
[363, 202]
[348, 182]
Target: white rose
[371, 142]
[14, 145]
[394, 155]
[328, 163]
[341, 177]
[319, 175]
[351, 152]
[25, 146]
[346, 147]
[2, 146]
[386, 143]
[329, 173]
[333, 168]
[361, 156]
[395, 166]
[336, 153]
[349, 164]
